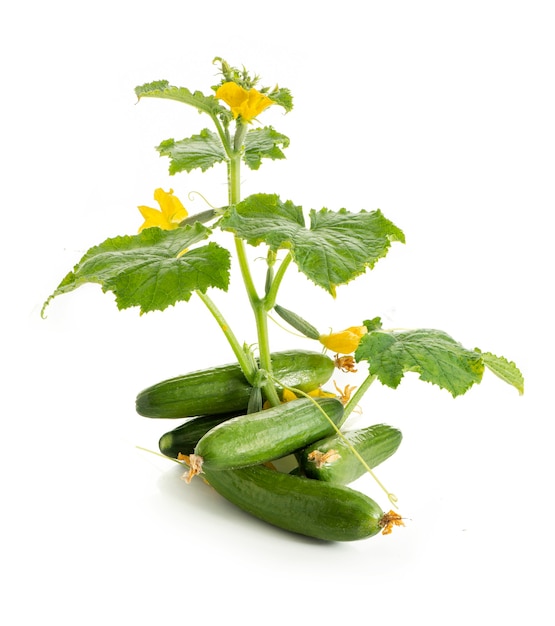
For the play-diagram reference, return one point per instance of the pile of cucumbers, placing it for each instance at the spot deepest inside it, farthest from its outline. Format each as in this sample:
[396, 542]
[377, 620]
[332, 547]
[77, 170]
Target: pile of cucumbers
[233, 446]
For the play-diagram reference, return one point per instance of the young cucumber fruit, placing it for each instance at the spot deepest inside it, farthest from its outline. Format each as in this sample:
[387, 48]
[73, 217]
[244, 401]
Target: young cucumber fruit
[256, 438]
[300, 505]
[184, 438]
[297, 322]
[224, 389]
[331, 459]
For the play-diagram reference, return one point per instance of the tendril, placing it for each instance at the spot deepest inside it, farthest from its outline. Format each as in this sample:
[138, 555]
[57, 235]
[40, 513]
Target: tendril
[287, 330]
[390, 496]
[162, 456]
[192, 195]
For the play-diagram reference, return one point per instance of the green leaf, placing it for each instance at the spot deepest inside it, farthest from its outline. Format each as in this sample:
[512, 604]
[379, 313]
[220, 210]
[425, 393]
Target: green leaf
[338, 246]
[374, 324]
[433, 354]
[506, 370]
[264, 218]
[263, 143]
[145, 270]
[162, 89]
[282, 97]
[199, 151]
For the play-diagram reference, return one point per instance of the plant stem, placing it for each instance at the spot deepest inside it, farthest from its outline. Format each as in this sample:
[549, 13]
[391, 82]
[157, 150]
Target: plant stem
[224, 135]
[257, 304]
[270, 299]
[356, 397]
[234, 181]
[264, 352]
[244, 362]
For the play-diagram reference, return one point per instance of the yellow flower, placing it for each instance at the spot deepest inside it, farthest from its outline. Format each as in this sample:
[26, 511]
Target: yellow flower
[247, 104]
[171, 214]
[288, 395]
[321, 393]
[344, 342]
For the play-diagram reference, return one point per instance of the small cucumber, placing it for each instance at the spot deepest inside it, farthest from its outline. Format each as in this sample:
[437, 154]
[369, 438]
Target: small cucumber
[184, 438]
[224, 389]
[203, 217]
[297, 322]
[267, 435]
[332, 460]
[300, 505]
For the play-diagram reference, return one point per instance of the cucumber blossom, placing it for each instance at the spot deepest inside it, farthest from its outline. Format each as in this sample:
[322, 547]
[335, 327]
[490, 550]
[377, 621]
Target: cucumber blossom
[224, 389]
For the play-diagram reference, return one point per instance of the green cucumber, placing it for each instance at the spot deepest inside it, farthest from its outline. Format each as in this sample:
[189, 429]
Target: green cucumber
[184, 438]
[332, 460]
[309, 507]
[224, 389]
[297, 322]
[256, 438]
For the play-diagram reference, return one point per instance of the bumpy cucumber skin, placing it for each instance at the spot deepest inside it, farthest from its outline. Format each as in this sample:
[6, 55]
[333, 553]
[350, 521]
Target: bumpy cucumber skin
[267, 435]
[184, 438]
[308, 507]
[375, 444]
[224, 388]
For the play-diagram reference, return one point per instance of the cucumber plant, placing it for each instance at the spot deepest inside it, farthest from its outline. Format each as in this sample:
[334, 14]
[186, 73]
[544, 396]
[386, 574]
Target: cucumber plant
[174, 256]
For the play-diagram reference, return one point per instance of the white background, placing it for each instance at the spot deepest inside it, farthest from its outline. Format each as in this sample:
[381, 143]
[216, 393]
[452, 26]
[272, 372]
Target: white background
[438, 113]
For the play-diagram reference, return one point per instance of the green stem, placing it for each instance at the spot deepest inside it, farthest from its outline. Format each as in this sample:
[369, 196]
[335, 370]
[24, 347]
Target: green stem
[244, 362]
[261, 318]
[357, 396]
[270, 299]
[234, 198]
[245, 271]
[257, 304]
[234, 182]
[240, 133]
[224, 135]
[233, 179]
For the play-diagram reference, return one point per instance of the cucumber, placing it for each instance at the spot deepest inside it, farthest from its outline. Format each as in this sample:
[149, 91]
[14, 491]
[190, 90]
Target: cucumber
[331, 459]
[256, 438]
[224, 389]
[297, 322]
[308, 507]
[184, 438]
